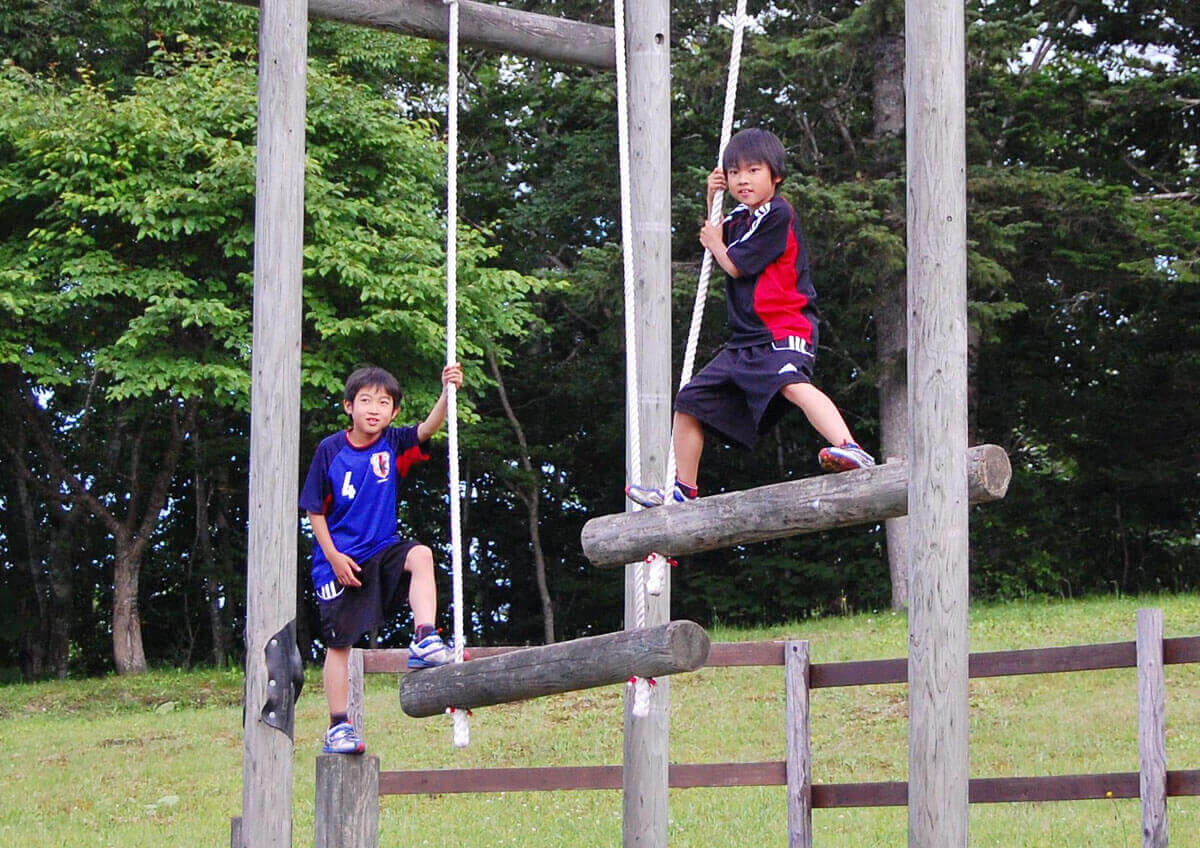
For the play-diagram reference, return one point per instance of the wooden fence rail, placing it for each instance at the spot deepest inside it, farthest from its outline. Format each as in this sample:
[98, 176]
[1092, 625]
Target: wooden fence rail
[1153, 783]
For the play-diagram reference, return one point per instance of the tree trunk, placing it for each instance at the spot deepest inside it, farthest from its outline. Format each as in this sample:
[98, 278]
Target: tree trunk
[129, 655]
[531, 499]
[891, 317]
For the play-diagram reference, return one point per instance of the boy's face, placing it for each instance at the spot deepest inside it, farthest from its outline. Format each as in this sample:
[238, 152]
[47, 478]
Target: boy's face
[751, 183]
[371, 410]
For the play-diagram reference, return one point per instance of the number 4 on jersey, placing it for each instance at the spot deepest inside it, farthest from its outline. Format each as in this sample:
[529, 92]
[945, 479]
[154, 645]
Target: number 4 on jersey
[348, 490]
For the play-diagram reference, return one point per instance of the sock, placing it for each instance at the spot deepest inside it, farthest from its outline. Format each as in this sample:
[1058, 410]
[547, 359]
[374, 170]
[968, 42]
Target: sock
[692, 492]
[424, 630]
[337, 718]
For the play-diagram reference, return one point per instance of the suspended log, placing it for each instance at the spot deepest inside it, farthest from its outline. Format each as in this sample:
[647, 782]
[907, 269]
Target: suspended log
[498, 28]
[551, 669]
[781, 509]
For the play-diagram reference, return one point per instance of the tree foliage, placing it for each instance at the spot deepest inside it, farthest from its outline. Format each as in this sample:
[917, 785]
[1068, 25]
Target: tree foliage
[126, 196]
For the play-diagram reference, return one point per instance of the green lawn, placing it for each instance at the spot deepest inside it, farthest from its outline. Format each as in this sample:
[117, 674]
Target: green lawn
[156, 761]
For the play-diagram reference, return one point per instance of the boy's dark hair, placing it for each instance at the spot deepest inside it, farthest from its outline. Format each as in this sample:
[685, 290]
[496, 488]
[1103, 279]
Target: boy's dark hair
[752, 146]
[372, 376]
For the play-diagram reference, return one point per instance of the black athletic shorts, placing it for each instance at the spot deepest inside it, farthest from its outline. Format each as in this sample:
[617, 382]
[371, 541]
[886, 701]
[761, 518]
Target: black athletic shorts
[361, 609]
[737, 393]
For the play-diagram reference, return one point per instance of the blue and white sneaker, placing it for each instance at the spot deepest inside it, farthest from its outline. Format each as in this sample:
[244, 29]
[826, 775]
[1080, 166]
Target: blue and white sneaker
[343, 739]
[643, 496]
[429, 652]
[847, 457]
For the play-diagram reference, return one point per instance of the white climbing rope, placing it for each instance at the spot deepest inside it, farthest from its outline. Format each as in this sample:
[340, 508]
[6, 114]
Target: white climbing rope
[715, 215]
[641, 686]
[461, 730]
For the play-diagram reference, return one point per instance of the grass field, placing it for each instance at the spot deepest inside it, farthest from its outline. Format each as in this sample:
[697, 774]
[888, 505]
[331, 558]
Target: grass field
[157, 760]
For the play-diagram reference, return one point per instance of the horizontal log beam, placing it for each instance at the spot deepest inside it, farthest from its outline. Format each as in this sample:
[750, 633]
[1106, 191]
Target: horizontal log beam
[778, 510]
[550, 669]
[497, 28]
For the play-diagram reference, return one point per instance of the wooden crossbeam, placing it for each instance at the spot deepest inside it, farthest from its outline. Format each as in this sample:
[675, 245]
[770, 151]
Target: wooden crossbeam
[781, 509]
[551, 669]
[499, 28]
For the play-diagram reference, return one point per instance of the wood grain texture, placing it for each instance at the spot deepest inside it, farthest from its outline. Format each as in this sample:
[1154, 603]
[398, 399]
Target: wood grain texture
[799, 758]
[648, 50]
[1152, 728]
[346, 811]
[499, 28]
[670, 648]
[935, 128]
[778, 510]
[274, 409]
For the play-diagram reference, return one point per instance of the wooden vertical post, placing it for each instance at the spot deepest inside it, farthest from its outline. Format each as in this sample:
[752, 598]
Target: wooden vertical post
[346, 813]
[1152, 728]
[275, 416]
[356, 702]
[647, 24]
[799, 759]
[937, 396]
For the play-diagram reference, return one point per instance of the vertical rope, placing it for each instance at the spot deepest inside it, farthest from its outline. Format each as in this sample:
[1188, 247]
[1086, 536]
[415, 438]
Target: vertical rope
[714, 218]
[461, 737]
[641, 686]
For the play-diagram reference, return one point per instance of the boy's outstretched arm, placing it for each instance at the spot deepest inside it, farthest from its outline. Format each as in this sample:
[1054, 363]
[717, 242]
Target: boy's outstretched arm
[437, 415]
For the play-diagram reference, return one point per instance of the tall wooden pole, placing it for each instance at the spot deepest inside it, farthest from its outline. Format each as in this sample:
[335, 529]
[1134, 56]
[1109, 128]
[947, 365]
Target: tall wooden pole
[937, 397]
[647, 24]
[274, 425]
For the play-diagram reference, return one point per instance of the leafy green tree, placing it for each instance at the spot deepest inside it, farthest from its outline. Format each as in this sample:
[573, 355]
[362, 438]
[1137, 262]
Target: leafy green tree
[127, 224]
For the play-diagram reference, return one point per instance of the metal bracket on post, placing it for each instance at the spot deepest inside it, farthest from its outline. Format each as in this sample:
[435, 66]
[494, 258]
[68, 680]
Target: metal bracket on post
[285, 679]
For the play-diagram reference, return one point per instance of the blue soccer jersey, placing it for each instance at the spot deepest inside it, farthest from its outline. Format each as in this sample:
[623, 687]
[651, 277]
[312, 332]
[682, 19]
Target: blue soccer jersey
[356, 489]
[773, 299]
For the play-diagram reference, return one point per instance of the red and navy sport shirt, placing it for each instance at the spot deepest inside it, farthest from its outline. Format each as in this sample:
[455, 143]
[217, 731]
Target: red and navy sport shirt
[355, 489]
[773, 298]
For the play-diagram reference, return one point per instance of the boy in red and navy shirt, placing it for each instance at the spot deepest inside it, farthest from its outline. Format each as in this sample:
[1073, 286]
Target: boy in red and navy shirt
[766, 366]
[359, 560]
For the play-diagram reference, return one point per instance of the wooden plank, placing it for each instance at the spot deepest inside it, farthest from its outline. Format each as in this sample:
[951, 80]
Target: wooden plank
[799, 759]
[1054, 660]
[550, 669]
[884, 794]
[692, 776]
[346, 810]
[558, 778]
[1152, 728]
[858, 673]
[733, 654]
[1184, 649]
[982, 790]
[1180, 783]
[533, 779]
[986, 790]
[498, 28]
[778, 510]
[267, 760]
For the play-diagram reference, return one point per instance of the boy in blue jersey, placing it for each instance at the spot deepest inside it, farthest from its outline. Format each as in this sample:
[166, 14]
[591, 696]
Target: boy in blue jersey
[766, 366]
[359, 560]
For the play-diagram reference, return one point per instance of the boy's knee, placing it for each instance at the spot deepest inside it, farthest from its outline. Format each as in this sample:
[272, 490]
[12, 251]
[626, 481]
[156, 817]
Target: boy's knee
[420, 558]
